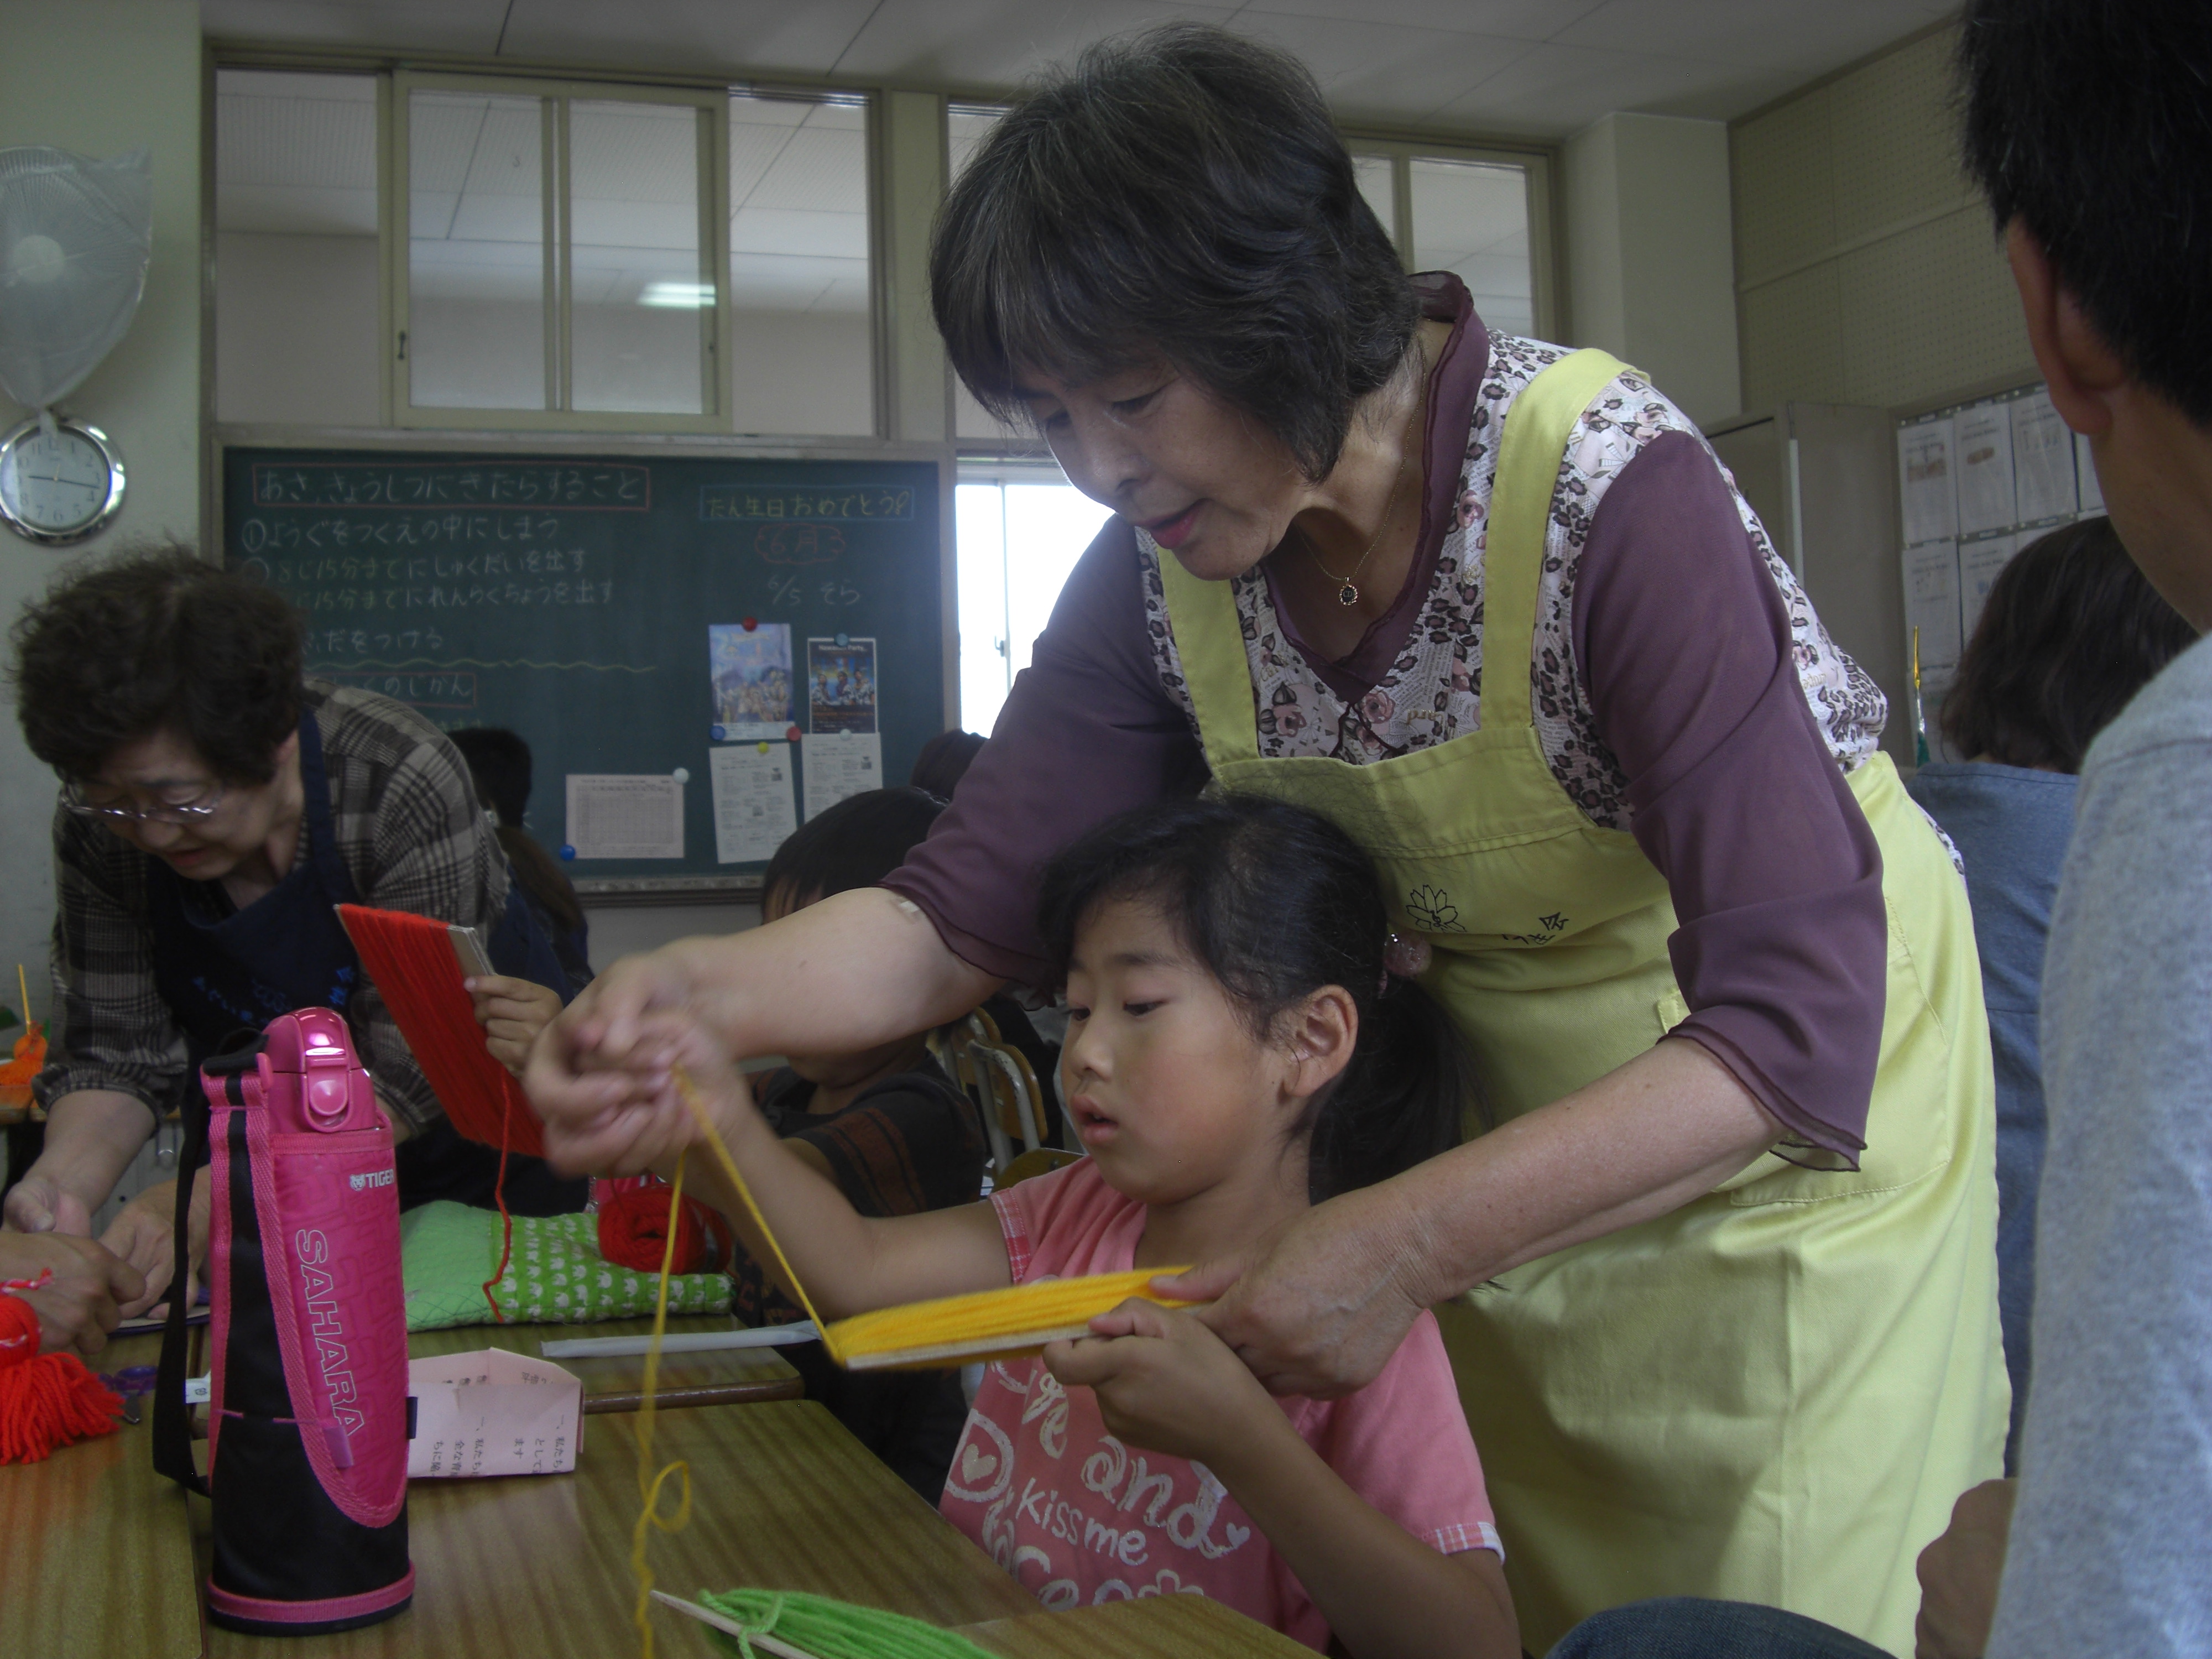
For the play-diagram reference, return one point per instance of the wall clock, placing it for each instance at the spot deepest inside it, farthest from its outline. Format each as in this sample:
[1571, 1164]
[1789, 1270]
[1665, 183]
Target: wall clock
[59, 487]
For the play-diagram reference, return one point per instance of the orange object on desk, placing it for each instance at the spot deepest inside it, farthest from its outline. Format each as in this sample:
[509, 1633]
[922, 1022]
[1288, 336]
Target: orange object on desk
[30, 1059]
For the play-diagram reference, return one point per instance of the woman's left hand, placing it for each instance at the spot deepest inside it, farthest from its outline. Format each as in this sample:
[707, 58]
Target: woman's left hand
[1164, 1380]
[1320, 1309]
[513, 1012]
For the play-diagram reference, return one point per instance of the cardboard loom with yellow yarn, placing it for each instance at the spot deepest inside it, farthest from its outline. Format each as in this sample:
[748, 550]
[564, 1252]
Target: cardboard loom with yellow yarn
[1001, 1324]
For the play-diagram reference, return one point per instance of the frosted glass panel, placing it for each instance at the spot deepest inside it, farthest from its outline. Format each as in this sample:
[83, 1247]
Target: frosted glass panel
[800, 282]
[476, 251]
[639, 300]
[1373, 172]
[1018, 544]
[1472, 218]
[296, 222]
[966, 126]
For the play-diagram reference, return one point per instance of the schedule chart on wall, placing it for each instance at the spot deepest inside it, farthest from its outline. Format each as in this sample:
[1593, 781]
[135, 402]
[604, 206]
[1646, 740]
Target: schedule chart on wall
[1977, 482]
[699, 651]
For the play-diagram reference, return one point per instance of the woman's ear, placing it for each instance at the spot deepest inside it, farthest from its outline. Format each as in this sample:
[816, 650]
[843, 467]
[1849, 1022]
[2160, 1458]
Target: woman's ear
[1323, 1031]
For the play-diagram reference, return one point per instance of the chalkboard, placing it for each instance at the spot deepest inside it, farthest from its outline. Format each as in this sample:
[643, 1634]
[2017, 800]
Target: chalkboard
[571, 598]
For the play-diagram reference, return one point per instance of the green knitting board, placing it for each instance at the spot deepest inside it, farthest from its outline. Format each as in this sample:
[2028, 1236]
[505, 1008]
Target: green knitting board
[556, 1276]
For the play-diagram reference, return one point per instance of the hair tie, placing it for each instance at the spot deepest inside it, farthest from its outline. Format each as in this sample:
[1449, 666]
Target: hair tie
[1405, 955]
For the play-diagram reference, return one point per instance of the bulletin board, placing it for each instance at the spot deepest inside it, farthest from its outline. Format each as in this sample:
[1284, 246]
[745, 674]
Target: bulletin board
[1977, 481]
[701, 650]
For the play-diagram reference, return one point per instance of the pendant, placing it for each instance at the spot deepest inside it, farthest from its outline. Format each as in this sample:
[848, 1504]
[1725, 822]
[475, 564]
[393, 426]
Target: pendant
[1348, 596]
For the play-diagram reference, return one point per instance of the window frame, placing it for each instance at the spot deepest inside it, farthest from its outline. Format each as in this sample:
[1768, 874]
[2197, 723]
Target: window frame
[395, 214]
[1537, 172]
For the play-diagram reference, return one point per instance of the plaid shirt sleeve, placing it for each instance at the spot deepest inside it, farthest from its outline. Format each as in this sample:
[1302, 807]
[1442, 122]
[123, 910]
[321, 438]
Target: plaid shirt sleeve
[413, 837]
[111, 1028]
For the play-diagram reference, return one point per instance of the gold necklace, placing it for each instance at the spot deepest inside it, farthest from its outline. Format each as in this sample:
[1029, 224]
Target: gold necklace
[1347, 590]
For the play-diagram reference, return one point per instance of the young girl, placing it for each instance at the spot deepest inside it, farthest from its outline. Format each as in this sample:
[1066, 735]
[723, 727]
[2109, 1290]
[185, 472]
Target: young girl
[1239, 1048]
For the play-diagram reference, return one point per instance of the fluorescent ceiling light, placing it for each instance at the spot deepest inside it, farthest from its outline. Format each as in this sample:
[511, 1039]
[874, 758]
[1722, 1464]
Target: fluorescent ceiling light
[678, 296]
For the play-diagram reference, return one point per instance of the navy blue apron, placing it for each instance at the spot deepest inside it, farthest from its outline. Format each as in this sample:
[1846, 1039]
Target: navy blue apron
[220, 969]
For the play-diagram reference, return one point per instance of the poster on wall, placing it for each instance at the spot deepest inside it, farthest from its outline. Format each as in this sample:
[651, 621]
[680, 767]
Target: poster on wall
[751, 669]
[617, 816]
[1930, 498]
[2042, 461]
[754, 809]
[1985, 469]
[1931, 611]
[841, 685]
[839, 764]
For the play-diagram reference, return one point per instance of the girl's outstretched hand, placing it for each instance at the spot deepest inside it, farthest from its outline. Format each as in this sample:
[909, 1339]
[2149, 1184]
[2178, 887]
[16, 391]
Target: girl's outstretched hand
[1319, 1310]
[1164, 1380]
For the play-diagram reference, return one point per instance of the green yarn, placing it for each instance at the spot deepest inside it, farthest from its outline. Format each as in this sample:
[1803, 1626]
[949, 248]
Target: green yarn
[830, 1629]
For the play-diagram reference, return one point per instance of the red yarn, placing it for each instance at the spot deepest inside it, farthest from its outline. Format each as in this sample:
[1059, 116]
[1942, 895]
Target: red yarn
[46, 1401]
[633, 1232]
[412, 960]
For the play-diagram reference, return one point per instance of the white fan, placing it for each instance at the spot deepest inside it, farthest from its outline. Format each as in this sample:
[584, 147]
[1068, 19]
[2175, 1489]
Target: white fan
[75, 237]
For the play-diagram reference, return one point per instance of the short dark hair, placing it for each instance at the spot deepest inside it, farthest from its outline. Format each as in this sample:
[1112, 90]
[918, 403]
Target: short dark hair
[1180, 192]
[499, 763]
[1276, 903]
[856, 843]
[2069, 633]
[158, 640]
[944, 761]
[2090, 122]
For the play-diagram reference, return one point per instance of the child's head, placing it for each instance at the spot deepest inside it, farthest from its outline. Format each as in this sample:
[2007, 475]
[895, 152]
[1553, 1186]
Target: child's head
[2070, 632]
[856, 843]
[1202, 936]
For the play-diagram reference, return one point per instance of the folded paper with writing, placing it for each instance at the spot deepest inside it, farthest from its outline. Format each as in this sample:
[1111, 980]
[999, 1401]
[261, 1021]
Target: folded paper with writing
[493, 1411]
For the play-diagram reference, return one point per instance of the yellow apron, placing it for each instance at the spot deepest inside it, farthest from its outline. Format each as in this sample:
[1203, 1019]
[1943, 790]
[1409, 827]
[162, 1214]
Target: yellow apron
[1775, 1394]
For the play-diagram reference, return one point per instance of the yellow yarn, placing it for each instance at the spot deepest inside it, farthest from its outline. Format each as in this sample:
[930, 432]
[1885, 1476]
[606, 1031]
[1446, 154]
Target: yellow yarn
[997, 1324]
[649, 1486]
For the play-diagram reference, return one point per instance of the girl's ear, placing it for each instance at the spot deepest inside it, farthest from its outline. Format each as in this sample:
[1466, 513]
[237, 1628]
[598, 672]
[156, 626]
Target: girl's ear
[1322, 1032]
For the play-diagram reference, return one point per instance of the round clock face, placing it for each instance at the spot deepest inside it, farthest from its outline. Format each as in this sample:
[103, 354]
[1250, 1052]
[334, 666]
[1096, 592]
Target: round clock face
[58, 486]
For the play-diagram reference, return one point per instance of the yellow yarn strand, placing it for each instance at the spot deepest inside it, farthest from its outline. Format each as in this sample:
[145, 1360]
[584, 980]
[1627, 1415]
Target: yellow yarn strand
[649, 1483]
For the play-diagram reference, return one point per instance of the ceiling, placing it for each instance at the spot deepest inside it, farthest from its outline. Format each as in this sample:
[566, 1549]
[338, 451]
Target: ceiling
[1539, 69]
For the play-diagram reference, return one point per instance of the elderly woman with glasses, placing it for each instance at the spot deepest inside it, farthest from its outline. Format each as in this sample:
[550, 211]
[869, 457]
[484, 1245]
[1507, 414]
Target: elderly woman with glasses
[215, 808]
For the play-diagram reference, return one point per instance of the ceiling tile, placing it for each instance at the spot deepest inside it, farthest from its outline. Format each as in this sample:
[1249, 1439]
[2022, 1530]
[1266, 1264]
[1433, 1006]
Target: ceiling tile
[999, 43]
[471, 25]
[742, 38]
[1555, 90]
[1382, 73]
[1807, 35]
[1515, 20]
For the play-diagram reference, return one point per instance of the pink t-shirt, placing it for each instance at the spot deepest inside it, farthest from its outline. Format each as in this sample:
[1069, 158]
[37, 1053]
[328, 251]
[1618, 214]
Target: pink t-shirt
[1080, 1519]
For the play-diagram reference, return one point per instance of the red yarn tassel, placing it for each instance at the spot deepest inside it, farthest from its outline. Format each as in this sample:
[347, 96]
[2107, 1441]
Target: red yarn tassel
[46, 1401]
[410, 959]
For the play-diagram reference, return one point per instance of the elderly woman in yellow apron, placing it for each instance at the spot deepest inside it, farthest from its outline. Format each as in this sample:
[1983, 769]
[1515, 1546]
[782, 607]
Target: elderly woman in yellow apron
[1717, 1261]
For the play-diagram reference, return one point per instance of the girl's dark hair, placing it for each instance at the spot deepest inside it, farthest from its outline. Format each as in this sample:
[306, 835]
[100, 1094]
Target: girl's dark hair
[1275, 902]
[1179, 193]
[500, 765]
[2069, 633]
[856, 843]
[944, 761]
[158, 640]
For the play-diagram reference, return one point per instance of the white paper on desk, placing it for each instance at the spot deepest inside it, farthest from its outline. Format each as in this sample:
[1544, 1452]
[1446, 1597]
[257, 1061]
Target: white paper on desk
[2042, 461]
[1931, 604]
[841, 764]
[2085, 474]
[1923, 470]
[753, 809]
[1980, 565]
[1984, 448]
[614, 816]
[492, 1412]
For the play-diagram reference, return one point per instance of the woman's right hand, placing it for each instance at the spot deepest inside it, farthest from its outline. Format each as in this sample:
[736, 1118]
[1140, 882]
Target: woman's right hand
[89, 1288]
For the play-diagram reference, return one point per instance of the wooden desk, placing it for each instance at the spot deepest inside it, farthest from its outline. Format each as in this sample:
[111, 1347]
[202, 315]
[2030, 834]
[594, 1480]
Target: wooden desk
[734, 1377]
[538, 1567]
[1158, 1627]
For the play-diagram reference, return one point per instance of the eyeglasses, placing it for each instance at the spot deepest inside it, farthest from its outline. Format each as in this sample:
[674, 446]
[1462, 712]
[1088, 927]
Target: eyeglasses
[198, 802]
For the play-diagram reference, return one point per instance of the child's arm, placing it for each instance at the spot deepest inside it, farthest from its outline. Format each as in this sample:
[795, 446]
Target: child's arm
[848, 1262]
[1166, 1383]
[513, 1012]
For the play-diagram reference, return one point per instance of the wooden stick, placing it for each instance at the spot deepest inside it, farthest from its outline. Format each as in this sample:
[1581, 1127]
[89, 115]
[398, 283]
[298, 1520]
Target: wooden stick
[763, 1336]
[729, 1626]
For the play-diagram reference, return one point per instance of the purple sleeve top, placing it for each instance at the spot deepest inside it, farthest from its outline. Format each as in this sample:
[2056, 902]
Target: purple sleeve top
[1691, 670]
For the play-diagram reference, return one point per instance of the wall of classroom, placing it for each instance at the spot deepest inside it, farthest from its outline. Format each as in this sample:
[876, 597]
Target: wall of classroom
[1866, 268]
[102, 77]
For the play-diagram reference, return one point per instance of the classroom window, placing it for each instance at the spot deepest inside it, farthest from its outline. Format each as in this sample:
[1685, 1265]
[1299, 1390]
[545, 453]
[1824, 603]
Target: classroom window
[802, 352]
[559, 255]
[295, 224]
[1019, 530]
[1482, 215]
